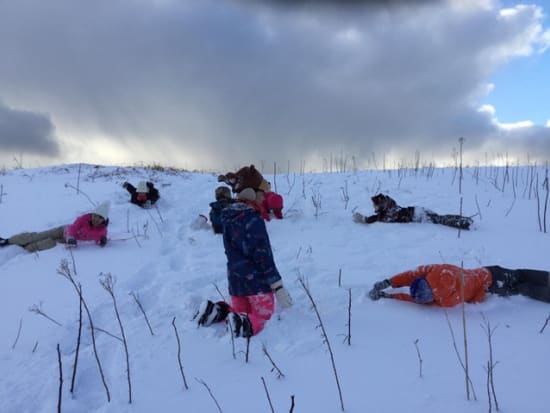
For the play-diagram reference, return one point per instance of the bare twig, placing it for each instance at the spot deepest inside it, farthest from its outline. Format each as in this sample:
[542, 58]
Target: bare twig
[464, 334]
[325, 339]
[136, 299]
[349, 318]
[65, 271]
[108, 283]
[77, 350]
[545, 324]
[419, 358]
[211, 395]
[291, 404]
[108, 333]
[79, 191]
[18, 333]
[458, 353]
[179, 353]
[60, 392]
[486, 326]
[267, 394]
[274, 368]
[37, 309]
[219, 292]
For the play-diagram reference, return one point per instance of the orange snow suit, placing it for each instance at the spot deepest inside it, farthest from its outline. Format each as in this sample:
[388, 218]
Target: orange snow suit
[445, 282]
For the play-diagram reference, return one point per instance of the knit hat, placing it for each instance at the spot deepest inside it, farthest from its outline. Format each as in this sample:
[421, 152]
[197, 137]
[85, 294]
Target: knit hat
[222, 192]
[265, 186]
[247, 194]
[421, 292]
[103, 209]
[142, 187]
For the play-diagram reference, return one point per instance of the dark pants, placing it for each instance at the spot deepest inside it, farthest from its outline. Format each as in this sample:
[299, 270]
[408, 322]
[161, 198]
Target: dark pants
[530, 283]
[455, 221]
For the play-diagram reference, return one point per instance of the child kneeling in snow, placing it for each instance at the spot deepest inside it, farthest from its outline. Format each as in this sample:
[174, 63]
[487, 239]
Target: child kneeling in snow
[253, 278]
[88, 227]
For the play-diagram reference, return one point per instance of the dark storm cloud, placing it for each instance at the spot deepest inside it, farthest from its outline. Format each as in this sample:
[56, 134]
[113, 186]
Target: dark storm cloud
[23, 131]
[242, 82]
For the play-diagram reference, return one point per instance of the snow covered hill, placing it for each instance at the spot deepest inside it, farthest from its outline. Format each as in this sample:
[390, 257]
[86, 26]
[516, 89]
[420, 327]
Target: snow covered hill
[158, 257]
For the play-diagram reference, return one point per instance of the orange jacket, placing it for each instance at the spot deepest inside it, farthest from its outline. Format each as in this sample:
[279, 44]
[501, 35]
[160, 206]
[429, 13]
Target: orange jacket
[445, 281]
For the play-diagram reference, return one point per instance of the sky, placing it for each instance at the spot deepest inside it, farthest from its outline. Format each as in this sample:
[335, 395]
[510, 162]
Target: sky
[210, 85]
[171, 266]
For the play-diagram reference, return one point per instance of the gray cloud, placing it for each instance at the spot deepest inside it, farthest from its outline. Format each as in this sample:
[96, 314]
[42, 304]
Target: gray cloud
[28, 132]
[244, 83]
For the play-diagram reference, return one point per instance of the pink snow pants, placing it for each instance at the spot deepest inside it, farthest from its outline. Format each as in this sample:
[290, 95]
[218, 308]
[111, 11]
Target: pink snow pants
[259, 308]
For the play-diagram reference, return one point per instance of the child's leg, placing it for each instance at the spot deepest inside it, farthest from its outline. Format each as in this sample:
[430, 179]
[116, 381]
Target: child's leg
[261, 310]
[535, 277]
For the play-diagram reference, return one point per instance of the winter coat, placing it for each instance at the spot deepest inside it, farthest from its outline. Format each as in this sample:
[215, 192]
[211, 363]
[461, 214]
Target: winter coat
[83, 230]
[216, 212]
[445, 282]
[250, 266]
[152, 196]
[387, 210]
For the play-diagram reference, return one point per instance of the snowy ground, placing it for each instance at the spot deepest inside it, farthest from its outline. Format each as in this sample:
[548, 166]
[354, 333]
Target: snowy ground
[172, 268]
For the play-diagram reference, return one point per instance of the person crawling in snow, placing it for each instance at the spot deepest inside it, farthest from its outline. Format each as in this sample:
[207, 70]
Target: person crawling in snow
[223, 199]
[387, 210]
[441, 284]
[88, 227]
[145, 195]
[252, 276]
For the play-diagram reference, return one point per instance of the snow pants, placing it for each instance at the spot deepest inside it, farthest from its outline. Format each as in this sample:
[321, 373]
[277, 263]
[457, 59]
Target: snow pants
[530, 283]
[259, 309]
[39, 241]
[455, 221]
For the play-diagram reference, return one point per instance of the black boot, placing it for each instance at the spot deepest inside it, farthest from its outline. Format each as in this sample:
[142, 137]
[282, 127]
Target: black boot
[241, 325]
[4, 242]
[210, 312]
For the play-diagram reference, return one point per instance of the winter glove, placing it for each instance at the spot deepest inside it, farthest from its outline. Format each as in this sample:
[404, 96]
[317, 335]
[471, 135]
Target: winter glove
[381, 285]
[71, 242]
[359, 218]
[103, 241]
[375, 294]
[125, 185]
[283, 297]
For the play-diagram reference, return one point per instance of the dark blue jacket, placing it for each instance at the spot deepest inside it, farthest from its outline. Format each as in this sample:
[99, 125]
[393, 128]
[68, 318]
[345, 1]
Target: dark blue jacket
[216, 213]
[250, 266]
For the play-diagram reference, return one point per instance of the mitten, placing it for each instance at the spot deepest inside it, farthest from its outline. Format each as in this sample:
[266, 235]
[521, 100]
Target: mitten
[221, 178]
[380, 285]
[359, 218]
[283, 297]
[375, 294]
[125, 185]
[103, 241]
[71, 242]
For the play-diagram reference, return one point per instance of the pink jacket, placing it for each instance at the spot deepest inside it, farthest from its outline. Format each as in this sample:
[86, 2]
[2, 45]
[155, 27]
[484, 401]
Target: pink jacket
[82, 230]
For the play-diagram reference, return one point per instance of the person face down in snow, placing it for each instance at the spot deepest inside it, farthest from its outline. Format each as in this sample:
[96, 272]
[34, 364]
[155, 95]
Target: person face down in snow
[441, 284]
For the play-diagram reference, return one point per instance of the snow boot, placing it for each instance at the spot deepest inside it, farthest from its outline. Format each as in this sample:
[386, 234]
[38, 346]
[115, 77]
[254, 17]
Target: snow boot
[210, 312]
[4, 242]
[240, 323]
